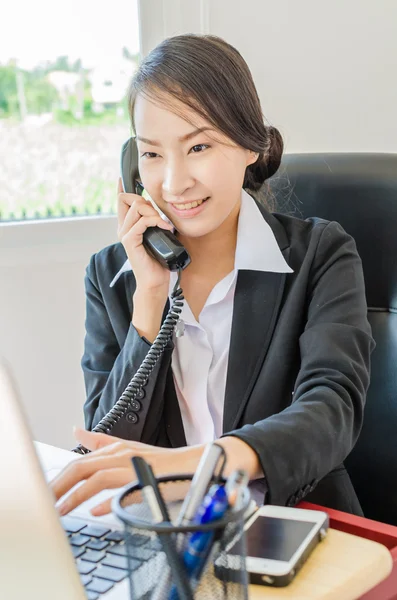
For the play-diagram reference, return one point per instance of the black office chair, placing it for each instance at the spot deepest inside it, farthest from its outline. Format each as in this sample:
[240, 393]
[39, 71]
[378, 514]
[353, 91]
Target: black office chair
[360, 192]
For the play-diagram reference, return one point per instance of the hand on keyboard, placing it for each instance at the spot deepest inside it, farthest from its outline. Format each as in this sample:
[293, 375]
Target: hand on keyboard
[109, 466]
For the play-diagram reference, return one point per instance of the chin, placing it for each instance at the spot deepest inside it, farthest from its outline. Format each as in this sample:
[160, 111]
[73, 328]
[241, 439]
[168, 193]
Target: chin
[194, 230]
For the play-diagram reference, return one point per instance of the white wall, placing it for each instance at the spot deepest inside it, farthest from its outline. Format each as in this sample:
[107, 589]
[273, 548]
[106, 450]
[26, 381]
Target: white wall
[42, 310]
[325, 72]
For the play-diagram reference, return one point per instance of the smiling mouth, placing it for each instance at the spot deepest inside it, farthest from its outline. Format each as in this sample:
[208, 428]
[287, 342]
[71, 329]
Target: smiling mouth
[190, 205]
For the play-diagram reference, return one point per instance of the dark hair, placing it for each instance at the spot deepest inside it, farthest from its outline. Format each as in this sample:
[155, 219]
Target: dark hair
[210, 76]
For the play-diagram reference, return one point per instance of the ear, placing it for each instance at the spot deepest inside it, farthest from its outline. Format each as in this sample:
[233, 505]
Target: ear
[252, 157]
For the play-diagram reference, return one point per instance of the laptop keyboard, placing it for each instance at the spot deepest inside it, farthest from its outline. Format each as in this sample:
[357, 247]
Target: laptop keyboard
[100, 554]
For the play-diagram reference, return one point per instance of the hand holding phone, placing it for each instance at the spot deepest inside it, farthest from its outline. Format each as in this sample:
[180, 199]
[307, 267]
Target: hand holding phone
[151, 246]
[135, 215]
[162, 245]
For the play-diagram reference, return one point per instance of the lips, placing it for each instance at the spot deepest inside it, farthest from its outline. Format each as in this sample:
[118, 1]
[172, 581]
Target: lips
[189, 205]
[188, 212]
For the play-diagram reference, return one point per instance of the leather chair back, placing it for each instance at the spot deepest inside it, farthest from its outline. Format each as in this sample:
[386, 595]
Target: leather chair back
[359, 190]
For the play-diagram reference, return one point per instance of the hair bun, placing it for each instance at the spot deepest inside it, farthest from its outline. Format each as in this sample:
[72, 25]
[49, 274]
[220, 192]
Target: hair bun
[275, 150]
[268, 162]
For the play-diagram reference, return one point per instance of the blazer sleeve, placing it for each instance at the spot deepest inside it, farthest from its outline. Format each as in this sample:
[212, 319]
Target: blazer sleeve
[300, 445]
[108, 367]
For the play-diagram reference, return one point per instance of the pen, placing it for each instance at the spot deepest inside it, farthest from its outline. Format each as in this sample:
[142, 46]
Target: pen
[206, 470]
[153, 497]
[235, 486]
[198, 547]
[213, 508]
[150, 489]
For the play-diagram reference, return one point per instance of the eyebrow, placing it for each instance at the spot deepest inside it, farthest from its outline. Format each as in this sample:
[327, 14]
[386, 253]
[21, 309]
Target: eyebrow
[184, 138]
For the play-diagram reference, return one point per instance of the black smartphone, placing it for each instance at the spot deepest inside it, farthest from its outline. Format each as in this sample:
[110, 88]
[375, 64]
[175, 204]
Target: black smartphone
[162, 245]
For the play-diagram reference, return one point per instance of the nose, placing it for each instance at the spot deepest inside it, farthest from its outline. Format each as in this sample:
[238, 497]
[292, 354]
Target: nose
[177, 179]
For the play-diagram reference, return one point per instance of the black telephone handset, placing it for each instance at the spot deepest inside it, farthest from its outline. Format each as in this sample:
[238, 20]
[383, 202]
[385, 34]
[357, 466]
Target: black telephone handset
[165, 247]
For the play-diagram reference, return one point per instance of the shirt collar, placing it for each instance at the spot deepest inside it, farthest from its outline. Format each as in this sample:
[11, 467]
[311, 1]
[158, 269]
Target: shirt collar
[256, 248]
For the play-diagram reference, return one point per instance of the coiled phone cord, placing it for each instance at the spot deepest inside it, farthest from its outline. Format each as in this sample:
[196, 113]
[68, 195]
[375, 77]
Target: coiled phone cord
[141, 377]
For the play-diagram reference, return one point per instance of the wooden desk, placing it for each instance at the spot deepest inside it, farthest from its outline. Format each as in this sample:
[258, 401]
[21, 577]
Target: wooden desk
[342, 567]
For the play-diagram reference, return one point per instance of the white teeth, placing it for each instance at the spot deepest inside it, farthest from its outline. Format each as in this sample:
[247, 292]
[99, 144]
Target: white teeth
[189, 205]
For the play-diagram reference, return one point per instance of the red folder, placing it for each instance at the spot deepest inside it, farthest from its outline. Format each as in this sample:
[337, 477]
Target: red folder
[371, 530]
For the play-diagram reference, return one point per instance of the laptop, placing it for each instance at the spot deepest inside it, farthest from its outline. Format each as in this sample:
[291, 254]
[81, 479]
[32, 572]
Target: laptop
[43, 556]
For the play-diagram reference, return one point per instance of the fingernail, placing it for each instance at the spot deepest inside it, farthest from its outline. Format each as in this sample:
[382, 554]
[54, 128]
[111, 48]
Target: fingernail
[63, 509]
[97, 510]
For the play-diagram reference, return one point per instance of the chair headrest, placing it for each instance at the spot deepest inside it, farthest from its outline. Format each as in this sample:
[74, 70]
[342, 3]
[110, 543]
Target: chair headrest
[359, 190]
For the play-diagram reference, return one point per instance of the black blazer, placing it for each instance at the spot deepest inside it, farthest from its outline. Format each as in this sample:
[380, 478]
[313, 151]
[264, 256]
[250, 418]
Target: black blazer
[298, 367]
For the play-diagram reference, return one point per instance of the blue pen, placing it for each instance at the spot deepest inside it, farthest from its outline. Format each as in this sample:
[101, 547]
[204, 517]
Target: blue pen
[199, 544]
[213, 508]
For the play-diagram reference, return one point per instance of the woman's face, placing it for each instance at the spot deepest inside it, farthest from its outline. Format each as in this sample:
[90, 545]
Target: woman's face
[180, 167]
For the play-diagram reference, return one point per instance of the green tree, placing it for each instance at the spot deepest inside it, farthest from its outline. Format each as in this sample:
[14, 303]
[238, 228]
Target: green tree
[8, 91]
[62, 64]
[41, 96]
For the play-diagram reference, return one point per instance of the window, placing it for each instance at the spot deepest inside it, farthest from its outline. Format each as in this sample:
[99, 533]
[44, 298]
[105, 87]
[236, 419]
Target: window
[64, 72]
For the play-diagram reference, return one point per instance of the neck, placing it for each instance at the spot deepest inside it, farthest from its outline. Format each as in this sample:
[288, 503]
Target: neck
[220, 243]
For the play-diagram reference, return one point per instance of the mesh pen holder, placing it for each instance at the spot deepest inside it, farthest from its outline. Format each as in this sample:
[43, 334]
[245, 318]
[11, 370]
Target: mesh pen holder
[155, 551]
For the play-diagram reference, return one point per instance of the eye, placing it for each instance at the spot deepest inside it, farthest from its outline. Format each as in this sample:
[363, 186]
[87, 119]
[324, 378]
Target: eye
[199, 148]
[149, 155]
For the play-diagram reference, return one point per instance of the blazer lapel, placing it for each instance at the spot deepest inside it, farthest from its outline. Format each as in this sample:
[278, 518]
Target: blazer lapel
[172, 415]
[257, 300]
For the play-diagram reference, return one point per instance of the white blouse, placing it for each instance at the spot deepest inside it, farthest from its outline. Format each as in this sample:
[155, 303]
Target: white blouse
[200, 357]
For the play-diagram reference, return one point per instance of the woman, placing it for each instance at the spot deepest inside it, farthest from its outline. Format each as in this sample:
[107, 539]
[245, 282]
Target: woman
[274, 360]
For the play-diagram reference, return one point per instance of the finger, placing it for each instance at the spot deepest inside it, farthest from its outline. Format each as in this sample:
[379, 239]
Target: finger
[134, 235]
[93, 440]
[101, 480]
[137, 210]
[122, 209]
[124, 201]
[84, 468]
[102, 509]
[120, 189]
[108, 444]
